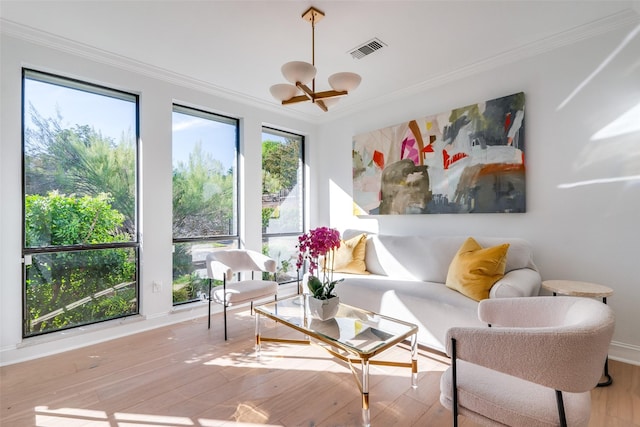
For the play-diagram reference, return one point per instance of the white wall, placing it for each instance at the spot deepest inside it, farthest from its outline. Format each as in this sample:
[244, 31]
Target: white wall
[583, 192]
[157, 95]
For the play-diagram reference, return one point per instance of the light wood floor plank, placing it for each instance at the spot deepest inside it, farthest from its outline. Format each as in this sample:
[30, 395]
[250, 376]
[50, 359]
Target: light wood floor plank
[186, 375]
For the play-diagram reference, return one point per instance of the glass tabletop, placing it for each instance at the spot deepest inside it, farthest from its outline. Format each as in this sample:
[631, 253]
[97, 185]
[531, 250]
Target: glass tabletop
[355, 330]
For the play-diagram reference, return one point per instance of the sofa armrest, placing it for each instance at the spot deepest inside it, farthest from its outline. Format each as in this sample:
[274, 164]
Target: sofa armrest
[519, 312]
[523, 282]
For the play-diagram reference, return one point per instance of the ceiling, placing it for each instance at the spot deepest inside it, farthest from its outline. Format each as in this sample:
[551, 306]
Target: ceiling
[236, 48]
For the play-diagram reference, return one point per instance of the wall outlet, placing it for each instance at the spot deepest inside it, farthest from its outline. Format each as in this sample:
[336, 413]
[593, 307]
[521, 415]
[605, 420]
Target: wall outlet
[157, 286]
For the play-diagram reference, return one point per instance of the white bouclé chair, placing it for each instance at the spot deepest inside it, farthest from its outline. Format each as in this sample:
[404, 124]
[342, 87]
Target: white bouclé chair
[224, 264]
[535, 363]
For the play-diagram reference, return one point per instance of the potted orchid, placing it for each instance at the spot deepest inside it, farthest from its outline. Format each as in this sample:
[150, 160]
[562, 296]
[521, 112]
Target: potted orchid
[317, 247]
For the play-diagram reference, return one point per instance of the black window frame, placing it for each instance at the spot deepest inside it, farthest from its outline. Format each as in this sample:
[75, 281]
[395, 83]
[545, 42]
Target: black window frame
[199, 112]
[96, 89]
[303, 186]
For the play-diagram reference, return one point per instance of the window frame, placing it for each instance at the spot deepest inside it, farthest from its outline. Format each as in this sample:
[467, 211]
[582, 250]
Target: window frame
[28, 252]
[204, 114]
[303, 186]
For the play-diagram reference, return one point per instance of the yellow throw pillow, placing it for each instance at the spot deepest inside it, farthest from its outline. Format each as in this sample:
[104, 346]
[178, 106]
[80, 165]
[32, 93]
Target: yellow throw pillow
[349, 257]
[474, 270]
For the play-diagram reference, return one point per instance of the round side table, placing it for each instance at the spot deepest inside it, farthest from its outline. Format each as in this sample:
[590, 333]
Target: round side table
[582, 289]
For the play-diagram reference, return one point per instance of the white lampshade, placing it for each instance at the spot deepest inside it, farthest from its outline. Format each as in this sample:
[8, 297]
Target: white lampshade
[330, 102]
[344, 81]
[283, 91]
[298, 71]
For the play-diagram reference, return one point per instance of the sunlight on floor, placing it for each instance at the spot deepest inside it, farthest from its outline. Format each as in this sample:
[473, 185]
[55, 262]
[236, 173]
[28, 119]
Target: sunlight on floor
[249, 413]
[242, 411]
[246, 416]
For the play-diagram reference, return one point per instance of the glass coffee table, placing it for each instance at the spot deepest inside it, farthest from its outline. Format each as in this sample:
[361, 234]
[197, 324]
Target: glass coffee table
[353, 335]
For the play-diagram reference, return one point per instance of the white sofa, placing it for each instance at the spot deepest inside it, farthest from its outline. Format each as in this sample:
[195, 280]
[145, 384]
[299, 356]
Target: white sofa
[408, 275]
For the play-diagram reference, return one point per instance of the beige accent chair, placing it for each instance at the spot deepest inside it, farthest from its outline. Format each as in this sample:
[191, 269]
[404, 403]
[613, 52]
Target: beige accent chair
[224, 264]
[534, 365]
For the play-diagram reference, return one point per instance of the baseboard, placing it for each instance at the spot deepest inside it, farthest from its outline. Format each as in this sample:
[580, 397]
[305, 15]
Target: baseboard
[626, 353]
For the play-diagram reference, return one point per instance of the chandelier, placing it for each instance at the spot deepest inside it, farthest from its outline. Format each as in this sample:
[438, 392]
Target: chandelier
[300, 74]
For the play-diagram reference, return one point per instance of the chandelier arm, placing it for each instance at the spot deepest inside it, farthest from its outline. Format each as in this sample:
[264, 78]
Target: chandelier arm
[330, 94]
[309, 93]
[296, 99]
[314, 97]
[320, 103]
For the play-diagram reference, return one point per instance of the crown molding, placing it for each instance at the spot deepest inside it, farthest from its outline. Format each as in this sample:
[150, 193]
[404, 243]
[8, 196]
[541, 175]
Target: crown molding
[607, 24]
[604, 25]
[52, 41]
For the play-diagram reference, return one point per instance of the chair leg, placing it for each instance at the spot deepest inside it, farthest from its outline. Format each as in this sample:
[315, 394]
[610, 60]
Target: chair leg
[225, 321]
[209, 298]
[561, 414]
[224, 303]
[454, 381]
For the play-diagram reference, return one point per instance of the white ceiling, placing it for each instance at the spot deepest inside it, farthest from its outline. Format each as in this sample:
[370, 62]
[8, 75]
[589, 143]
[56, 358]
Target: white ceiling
[237, 47]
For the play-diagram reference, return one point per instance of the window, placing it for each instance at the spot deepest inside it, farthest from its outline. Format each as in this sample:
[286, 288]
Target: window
[80, 234]
[282, 199]
[205, 195]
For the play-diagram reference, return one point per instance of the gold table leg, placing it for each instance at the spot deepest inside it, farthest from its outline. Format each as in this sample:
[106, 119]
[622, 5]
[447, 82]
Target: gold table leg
[366, 412]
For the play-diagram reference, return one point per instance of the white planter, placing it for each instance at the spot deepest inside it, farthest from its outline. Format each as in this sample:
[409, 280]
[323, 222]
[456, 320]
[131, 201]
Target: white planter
[323, 309]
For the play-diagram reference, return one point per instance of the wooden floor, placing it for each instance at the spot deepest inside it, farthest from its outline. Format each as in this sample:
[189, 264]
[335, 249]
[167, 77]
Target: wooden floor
[186, 375]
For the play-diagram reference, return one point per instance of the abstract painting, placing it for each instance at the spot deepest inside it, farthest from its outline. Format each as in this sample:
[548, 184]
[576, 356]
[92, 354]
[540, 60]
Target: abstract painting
[467, 160]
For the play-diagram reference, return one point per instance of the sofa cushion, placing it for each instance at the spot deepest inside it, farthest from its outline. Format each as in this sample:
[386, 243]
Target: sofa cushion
[513, 401]
[431, 306]
[474, 269]
[427, 258]
[349, 257]
[410, 257]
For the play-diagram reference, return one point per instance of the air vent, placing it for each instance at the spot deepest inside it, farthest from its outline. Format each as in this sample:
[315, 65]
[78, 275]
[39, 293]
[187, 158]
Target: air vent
[367, 48]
